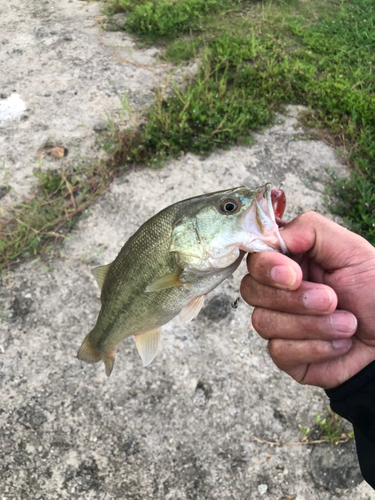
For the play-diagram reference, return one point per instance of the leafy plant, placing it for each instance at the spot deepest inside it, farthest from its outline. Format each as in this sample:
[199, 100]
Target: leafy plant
[332, 429]
[328, 429]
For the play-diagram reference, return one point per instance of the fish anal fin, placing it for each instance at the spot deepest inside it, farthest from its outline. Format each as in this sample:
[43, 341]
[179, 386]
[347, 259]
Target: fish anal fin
[147, 344]
[91, 354]
[100, 273]
[167, 281]
[191, 309]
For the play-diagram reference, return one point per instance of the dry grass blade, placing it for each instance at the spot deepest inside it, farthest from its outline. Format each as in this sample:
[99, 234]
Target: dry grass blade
[302, 442]
[27, 228]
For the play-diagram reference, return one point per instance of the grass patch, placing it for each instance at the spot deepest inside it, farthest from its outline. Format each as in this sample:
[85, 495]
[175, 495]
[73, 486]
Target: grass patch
[165, 17]
[183, 49]
[258, 57]
[219, 109]
[60, 197]
[27, 228]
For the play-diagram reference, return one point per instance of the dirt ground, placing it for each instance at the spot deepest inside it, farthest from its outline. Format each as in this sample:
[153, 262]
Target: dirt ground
[192, 425]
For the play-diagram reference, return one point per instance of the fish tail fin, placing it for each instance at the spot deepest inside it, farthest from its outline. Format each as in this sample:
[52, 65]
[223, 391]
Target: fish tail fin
[91, 354]
[88, 353]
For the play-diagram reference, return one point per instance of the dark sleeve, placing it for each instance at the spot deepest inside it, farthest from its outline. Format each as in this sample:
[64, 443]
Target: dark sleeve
[355, 401]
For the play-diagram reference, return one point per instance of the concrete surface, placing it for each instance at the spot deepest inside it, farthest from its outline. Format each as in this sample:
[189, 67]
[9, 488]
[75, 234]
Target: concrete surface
[185, 427]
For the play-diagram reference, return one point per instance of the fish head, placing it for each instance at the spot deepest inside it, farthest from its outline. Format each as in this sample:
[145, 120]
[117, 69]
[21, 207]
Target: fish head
[220, 225]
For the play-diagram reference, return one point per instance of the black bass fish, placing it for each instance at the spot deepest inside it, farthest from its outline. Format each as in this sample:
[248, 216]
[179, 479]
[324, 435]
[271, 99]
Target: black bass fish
[174, 259]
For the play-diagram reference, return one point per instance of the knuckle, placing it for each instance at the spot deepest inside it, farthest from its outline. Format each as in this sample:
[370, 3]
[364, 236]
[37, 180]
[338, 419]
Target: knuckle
[257, 319]
[262, 321]
[252, 261]
[318, 349]
[309, 215]
[245, 284]
[258, 265]
[249, 290]
[277, 349]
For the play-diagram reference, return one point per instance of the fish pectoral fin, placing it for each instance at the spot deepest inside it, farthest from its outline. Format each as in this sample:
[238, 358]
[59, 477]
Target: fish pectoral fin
[91, 354]
[100, 273]
[191, 309]
[147, 344]
[167, 281]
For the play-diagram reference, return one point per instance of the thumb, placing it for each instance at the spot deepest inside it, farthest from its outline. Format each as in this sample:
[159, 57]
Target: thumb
[331, 246]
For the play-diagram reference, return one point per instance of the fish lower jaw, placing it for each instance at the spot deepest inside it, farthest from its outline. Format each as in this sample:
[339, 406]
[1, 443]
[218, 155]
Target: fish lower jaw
[261, 244]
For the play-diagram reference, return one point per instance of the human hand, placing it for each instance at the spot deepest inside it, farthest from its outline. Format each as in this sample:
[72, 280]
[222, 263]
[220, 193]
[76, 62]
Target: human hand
[318, 310]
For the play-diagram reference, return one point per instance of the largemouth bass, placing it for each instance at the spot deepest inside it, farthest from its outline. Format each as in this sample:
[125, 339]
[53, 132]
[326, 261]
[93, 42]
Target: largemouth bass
[174, 259]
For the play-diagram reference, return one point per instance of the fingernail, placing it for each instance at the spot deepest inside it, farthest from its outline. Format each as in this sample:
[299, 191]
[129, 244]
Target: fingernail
[318, 300]
[283, 275]
[343, 322]
[342, 344]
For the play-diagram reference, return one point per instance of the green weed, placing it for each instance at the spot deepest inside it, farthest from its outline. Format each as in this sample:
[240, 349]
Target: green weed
[182, 49]
[342, 50]
[165, 17]
[327, 430]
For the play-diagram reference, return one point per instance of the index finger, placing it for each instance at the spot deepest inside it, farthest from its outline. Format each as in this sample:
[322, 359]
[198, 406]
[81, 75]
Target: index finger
[274, 269]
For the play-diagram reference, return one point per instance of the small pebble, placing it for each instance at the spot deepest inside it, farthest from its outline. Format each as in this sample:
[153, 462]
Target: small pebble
[262, 488]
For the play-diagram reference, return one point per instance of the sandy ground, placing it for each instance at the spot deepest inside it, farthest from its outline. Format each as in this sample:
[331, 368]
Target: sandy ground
[188, 426]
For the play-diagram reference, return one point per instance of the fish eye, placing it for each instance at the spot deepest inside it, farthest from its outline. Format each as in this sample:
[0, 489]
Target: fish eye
[230, 206]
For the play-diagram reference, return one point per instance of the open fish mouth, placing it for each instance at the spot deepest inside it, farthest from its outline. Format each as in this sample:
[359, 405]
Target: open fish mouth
[278, 200]
[262, 221]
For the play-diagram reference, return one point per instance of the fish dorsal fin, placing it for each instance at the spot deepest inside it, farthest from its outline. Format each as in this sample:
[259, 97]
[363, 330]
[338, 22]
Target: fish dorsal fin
[167, 281]
[192, 308]
[147, 344]
[100, 273]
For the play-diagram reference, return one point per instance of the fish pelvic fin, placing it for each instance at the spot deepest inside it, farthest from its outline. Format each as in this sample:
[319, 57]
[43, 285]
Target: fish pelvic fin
[91, 354]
